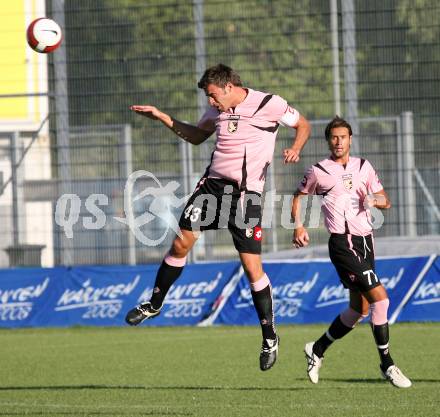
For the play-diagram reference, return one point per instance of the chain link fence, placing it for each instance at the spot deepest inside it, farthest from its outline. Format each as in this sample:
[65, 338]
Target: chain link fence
[65, 194]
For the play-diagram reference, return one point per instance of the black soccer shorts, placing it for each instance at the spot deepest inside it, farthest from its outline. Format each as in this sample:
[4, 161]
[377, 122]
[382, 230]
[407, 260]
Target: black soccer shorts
[353, 258]
[219, 203]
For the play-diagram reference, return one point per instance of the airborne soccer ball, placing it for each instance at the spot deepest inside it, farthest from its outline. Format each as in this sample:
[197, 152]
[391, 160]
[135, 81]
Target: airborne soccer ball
[44, 35]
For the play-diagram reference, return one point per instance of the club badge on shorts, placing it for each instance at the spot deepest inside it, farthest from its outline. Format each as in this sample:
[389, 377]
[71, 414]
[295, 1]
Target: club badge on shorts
[347, 180]
[249, 232]
[233, 123]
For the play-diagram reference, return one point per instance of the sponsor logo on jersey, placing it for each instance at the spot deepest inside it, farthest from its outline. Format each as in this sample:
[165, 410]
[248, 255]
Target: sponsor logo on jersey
[347, 180]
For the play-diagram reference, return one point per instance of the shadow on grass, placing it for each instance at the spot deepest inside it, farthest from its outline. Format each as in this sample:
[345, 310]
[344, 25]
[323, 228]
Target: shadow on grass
[372, 380]
[94, 413]
[141, 387]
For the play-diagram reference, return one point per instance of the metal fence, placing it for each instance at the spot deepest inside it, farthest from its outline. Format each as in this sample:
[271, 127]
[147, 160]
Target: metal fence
[65, 194]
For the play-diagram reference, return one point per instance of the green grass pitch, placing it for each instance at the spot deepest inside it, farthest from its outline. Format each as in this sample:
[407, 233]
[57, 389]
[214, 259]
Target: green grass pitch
[211, 372]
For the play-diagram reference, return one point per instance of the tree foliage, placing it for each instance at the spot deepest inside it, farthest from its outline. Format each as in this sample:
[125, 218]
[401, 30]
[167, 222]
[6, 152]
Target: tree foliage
[122, 52]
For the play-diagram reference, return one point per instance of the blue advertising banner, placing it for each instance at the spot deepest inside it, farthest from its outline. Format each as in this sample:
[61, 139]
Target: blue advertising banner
[27, 296]
[98, 296]
[205, 294]
[295, 286]
[101, 296]
[398, 276]
[192, 297]
[310, 291]
[424, 304]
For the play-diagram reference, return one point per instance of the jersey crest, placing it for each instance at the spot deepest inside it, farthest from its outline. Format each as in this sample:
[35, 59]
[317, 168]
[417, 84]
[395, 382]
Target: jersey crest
[233, 123]
[347, 180]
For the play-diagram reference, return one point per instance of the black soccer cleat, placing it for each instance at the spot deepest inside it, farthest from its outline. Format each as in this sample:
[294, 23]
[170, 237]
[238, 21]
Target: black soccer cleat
[269, 353]
[140, 313]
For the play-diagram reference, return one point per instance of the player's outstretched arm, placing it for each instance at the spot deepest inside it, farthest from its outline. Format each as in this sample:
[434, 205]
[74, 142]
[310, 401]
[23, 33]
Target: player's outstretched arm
[300, 236]
[187, 132]
[303, 129]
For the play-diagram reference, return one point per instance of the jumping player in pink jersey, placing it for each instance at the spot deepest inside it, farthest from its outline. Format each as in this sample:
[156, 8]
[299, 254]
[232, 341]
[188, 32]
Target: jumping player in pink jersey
[350, 188]
[229, 193]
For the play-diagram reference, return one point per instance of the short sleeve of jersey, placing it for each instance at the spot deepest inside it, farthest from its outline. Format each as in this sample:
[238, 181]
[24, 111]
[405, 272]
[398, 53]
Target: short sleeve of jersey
[373, 183]
[282, 112]
[285, 115]
[207, 122]
[290, 118]
[309, 182]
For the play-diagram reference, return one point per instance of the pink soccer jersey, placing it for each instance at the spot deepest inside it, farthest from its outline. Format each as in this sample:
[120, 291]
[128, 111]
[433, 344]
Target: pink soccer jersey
[343, 190]
[246, 138]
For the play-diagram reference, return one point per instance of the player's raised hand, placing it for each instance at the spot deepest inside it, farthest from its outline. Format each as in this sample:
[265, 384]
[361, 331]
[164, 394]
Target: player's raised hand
[300, 237]
[290, 156]
[148, 111]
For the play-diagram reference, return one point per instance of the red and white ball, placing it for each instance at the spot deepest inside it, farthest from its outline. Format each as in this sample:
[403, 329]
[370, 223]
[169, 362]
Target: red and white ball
[44, 35]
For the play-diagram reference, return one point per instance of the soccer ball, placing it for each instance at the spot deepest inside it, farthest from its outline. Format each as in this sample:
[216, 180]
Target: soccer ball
[44, 35]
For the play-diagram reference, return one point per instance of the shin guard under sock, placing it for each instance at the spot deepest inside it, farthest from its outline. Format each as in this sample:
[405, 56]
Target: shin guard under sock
[337, 330]
[381, 336]
[166, 276]
[264, 307]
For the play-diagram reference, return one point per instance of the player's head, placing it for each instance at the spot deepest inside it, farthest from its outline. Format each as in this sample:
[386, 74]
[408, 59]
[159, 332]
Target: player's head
[219, 82]
[338, 134]
[337, 122]
[219, 75]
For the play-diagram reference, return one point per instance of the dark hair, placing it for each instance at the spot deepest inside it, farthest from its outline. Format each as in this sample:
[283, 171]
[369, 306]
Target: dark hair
[337, 122]
[219, 75]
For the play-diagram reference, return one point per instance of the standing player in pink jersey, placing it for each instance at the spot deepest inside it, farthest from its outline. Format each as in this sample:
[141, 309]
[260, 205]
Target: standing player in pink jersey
[350, 188]
[229, 194]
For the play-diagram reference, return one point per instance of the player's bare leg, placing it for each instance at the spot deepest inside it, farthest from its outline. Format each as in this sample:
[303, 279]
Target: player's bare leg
[169, 271]
[379, 302]
[261, 291]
